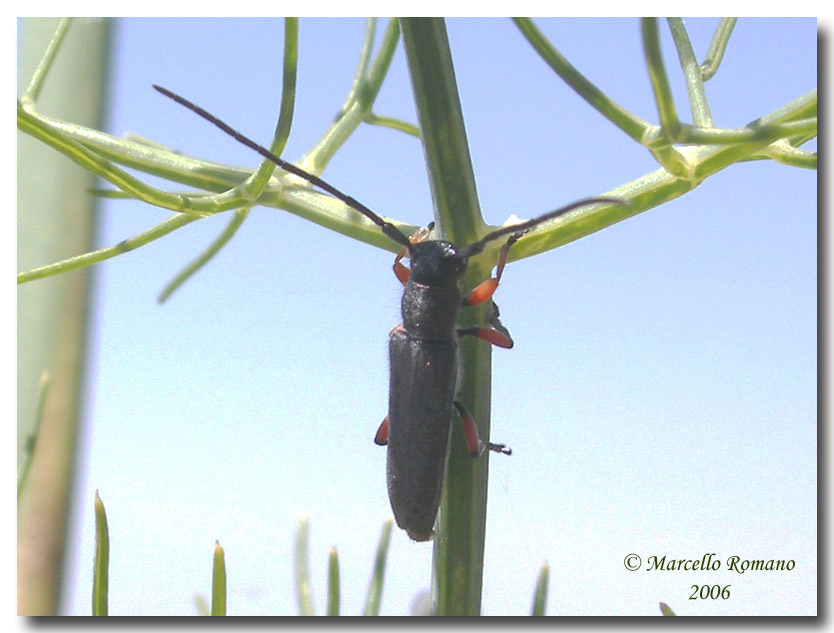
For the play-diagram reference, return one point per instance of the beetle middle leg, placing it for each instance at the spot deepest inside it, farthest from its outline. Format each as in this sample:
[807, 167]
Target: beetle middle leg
[497, 334]
[474, 444]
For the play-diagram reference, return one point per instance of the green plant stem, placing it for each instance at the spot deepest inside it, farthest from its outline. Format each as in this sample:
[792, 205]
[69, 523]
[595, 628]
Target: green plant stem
[55, 219]
[459, 545]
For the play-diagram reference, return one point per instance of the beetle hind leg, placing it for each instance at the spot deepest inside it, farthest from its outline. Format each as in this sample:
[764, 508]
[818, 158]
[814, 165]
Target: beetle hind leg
[381, 437]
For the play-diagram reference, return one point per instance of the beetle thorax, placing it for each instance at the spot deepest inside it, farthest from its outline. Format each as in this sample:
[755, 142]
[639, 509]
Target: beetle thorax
[432, 300]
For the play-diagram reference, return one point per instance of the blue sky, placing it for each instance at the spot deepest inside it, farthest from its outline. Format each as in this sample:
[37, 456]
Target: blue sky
[660, 400]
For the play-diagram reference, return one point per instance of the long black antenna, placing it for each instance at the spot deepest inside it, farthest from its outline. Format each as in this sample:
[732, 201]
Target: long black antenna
[387, 227]
[522, 227]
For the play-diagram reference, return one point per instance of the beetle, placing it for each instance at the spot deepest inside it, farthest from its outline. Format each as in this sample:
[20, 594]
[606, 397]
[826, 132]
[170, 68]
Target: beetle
[423, 348]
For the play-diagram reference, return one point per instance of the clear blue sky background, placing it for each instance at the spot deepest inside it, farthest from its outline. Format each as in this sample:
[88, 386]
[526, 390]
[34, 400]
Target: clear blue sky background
[661, 398]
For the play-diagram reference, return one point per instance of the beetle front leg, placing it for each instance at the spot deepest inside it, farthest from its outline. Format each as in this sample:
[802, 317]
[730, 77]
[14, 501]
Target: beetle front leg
[474, 444]
[484, 290]
[420, 235]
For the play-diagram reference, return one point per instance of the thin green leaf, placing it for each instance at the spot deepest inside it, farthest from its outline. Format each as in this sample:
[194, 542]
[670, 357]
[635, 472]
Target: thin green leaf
[540, 595]
[45, 65]
[658, 78]
[365, 55]
[717, 47]
[218, 581]
[40, 128]
[196, 264]
[358, 105]
[156, 159]
[101, 563]
[665, 609]
[391, 122]
[783, 152]
[202, 605]
[32, 439]
[698, 104]
[629, 123]
[254, 185]
[372, 604]
[80, 261]
[302, 568]
[333, 582]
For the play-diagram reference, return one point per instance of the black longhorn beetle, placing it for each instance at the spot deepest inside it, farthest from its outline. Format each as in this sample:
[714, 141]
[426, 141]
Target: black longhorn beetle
[423, 348]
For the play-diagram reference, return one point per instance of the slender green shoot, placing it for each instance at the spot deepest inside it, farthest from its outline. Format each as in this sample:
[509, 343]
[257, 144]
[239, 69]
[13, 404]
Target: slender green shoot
[631, 124]
[333, 582]
[160, 230]
[218, 581]
[374, 600]
[540, 595]
[698, 104]
[659, 80]
[235, 222]
[717, 47]
[36, 83]
[393, 123]
[303, 590]
[101, 563]
[32, 440]
[202, 605]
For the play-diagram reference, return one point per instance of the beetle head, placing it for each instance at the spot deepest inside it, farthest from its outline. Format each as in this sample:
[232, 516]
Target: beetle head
[436, 263]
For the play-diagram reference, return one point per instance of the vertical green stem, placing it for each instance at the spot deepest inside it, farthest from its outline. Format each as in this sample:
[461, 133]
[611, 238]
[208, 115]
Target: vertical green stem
[459, 546]
[55, 221]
